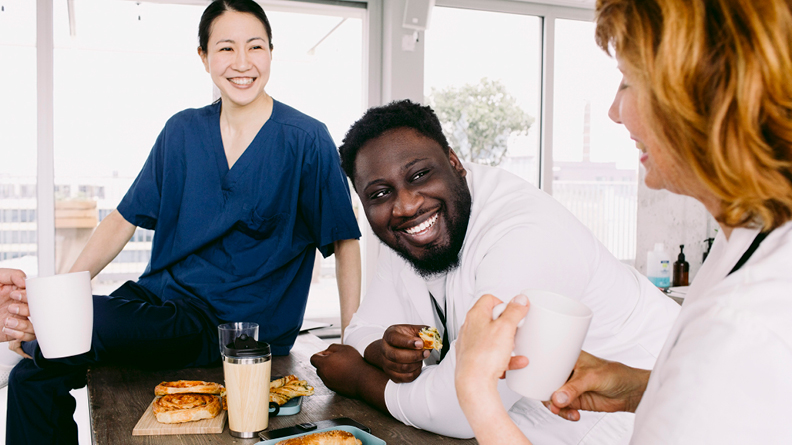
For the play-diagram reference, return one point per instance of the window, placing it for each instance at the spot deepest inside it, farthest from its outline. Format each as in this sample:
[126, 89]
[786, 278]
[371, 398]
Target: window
[18, 130]
[595, 168]
[589, 167]
[465, 56]
[121, 70]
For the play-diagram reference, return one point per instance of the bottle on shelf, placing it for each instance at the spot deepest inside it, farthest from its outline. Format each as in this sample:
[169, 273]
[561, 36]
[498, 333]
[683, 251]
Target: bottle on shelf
[658, 267]
[681, 268]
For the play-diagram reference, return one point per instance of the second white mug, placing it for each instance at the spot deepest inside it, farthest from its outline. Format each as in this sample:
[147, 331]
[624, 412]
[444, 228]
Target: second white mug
[61, 310]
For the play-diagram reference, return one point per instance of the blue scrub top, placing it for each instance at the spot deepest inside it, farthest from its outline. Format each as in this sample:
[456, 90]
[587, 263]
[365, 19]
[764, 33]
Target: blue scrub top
[241, 240]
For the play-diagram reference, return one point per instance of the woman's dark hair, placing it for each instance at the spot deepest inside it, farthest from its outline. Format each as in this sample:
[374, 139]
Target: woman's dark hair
[218, 7]
[378, 120]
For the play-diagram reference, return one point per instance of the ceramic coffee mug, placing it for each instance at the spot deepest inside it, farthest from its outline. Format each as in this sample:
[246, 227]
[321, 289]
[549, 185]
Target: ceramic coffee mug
[61, 310]
[551, 336]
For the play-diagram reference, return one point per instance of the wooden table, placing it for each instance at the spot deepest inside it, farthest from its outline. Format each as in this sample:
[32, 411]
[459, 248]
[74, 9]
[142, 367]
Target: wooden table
[119, 396]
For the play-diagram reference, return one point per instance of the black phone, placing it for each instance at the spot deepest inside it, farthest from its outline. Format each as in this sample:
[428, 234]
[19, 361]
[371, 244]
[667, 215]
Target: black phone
[302, 428]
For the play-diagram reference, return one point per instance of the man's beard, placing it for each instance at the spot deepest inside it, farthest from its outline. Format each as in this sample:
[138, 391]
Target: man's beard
[443, 259]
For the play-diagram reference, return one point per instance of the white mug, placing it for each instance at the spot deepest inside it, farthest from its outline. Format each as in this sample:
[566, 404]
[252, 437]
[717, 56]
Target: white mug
[61, 310]
[551, 337]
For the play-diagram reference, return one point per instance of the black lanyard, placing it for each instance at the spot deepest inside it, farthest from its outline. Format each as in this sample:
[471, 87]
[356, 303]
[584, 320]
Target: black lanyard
[441, 316]
[751, 249]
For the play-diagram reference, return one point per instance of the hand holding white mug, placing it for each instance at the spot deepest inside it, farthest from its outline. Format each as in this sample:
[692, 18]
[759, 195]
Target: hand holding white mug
[551, 337]
[483, 354]
[483, 349]
[61, 308]
[13, 307]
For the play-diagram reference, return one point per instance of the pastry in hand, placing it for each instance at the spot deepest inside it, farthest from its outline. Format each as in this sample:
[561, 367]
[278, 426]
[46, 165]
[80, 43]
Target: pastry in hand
[334, 437]
[187, 386]
[431, 339]
[179, 408]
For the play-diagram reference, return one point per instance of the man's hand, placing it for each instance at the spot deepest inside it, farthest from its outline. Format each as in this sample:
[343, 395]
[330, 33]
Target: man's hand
[13, 307]
[343, 370]
[599, 385]
[338, 367]
[400, 353]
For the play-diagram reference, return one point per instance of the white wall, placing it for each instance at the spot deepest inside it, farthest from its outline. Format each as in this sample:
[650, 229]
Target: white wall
[664, 217]
[402, 56]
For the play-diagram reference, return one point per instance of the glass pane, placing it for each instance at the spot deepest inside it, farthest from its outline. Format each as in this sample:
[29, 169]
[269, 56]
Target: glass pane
[317, 66]
[18, 201]
[487, 93]
[121, 70]
[595, 166]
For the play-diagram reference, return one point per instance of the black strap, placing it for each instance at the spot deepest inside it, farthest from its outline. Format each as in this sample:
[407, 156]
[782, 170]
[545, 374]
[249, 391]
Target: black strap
[751, 249]
[441, 316]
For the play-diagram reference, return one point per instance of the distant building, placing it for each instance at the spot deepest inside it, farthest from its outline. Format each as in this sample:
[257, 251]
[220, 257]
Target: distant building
[18, 222]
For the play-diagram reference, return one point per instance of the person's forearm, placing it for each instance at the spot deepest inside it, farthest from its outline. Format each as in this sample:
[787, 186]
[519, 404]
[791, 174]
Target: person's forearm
[641, 377]
[348, 275]
[371, 387]
[487, 417]
[373, 354]
[106, 242]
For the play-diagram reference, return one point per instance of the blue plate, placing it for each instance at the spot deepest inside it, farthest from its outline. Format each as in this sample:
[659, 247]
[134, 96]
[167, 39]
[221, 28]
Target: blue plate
[359, 434]
[289, 408]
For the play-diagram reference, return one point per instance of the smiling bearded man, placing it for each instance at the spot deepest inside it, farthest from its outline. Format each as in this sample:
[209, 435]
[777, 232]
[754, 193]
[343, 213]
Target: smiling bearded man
[404, 232]
[441, 258]
[457, 231]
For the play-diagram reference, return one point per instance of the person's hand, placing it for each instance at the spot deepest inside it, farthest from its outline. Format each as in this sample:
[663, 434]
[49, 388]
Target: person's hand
[484, 346]
[16, 346]
[13, 306]
[400, 353]
[18, 327]
[339, 366]
[11, 279]
[343, 370]
[483, 355]
[599, 385]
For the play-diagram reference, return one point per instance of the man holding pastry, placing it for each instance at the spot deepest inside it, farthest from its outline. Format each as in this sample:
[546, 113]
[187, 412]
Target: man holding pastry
[455, 232]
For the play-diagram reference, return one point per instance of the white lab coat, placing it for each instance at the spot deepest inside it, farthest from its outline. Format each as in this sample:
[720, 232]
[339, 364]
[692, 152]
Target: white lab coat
[518, 237]
[725, 373]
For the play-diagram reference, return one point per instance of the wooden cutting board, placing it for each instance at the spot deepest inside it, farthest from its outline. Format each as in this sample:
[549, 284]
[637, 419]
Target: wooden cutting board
[148, 425]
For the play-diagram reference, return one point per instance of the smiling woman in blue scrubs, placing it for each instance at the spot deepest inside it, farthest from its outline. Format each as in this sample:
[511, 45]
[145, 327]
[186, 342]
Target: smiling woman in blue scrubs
[240, 194]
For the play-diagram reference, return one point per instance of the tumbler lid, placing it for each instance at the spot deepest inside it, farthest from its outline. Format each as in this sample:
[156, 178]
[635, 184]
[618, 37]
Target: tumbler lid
[247, 347]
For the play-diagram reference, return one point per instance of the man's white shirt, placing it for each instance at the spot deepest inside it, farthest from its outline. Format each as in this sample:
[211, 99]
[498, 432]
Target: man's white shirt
[518, 237]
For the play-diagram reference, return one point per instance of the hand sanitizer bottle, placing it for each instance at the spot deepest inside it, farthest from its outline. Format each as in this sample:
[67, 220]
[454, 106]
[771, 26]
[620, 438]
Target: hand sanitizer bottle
[681, 268]
[658, 267]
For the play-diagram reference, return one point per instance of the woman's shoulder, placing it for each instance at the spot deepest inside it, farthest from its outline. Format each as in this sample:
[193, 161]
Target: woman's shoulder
[294, 120]
[190, 115]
